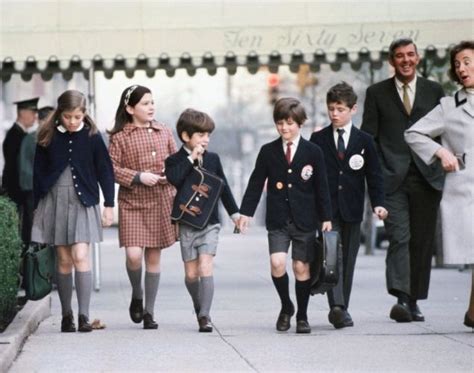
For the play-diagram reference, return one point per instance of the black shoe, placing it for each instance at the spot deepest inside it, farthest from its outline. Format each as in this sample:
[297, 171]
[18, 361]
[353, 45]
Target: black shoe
[401, 312]
[67, 323]
[416, 314]
[84, 325]
[302, 327]
[148, 322]
[283, 322]
[468, 321]
[340, 318]
[136, 310]
[205, 325]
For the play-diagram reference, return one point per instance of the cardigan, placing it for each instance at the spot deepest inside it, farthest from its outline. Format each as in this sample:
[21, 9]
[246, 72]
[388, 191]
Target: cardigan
[88, 159]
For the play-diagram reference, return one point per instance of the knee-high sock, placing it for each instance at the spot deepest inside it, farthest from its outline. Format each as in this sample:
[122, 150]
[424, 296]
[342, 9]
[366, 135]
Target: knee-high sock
[303, 289]
[152, 281]
[206, 293]
[64, 282]
[193, 290]
[83, 282]
[282, 287]
[135, 277]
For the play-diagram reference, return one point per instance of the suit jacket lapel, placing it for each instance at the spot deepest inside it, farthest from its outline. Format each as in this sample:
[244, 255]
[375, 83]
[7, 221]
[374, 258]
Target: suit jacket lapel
[329, 138]
[352, 140]
[278, 149]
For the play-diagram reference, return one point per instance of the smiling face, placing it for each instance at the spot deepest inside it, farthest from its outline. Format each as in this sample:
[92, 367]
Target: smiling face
[405, 60]
[288, 129]
[144, 111]
[464, 67]
[72, 119]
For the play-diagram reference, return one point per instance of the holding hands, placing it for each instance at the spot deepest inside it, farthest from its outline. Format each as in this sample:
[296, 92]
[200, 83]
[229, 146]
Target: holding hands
[381, 212]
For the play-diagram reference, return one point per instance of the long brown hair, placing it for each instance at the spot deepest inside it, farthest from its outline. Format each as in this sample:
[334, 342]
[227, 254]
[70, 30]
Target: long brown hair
[130, 97]
[68, 101]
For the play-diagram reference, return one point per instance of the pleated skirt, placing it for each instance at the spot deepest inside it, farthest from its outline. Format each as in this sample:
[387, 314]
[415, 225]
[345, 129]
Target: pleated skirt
[61, 218]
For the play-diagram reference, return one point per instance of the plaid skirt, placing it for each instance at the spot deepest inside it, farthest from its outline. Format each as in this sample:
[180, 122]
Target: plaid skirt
[61, 218]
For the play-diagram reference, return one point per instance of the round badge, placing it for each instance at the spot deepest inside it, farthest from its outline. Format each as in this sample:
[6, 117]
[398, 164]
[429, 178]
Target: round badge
[307, 172]
[356, 162]
[279, 185]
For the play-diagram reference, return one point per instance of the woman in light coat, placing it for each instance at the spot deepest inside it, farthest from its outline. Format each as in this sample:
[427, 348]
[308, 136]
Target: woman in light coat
[453, 122]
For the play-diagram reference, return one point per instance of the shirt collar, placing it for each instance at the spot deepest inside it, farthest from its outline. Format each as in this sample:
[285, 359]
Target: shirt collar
[411, 85]
[63, 129]
[346, 128]
[295, 142]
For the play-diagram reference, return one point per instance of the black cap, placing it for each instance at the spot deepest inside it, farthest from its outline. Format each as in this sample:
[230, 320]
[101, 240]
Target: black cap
[31, 104]
[44, 111]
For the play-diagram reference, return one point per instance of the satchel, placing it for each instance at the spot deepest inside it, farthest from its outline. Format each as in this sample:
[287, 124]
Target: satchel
[326, 266]
[39, 263]
[196, 199]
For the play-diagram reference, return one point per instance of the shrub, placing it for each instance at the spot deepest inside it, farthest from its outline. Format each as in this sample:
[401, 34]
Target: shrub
[10, 248]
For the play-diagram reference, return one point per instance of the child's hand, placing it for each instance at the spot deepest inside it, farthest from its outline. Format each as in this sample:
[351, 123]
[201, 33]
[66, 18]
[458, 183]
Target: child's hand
[243, 223]
[381, 212]
[162, 179]
[197, 152]
[327, 226]
[107, 216]
[148, 178]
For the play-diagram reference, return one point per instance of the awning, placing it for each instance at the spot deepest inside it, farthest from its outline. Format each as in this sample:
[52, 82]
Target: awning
[74, 36]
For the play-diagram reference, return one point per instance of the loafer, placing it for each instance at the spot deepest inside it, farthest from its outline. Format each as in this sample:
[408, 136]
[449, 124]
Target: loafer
[401, 312]
[136, 310]
[468, 321]
[283, 321]
[340, 318]
[67, 323]
[84, 325]
[302, 327]
[148, 322]
[205, 325]
[416, 314]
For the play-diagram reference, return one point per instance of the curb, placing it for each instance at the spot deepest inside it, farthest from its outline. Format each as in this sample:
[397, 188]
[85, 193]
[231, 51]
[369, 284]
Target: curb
[23, 325]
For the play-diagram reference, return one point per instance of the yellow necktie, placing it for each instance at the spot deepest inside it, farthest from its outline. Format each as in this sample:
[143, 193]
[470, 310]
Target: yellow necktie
[406, 99]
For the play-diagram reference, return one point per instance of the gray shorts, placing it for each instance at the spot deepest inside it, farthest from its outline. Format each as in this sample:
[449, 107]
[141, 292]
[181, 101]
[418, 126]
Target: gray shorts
[302, 243]
[194, 241]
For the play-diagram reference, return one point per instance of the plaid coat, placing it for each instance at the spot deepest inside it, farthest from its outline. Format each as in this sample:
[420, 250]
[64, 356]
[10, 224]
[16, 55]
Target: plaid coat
[144, 212]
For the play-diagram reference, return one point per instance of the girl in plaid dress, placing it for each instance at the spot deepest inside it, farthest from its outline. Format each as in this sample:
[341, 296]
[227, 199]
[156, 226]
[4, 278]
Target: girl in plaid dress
[138, 147]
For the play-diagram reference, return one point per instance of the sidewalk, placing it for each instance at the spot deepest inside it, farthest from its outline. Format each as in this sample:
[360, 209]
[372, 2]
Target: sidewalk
[244, 313]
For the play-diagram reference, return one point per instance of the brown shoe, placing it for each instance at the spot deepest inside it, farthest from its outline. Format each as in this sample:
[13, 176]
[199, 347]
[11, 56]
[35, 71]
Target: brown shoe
[84, 325]
[205, 325]
[67, 323]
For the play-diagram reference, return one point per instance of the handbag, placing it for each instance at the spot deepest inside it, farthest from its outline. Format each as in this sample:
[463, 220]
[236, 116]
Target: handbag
[39, 263]
[327, 264]
[197, 198]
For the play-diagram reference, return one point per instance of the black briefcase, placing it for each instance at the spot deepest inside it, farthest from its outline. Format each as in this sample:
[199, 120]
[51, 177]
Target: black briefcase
[324, 269]
[196, 199]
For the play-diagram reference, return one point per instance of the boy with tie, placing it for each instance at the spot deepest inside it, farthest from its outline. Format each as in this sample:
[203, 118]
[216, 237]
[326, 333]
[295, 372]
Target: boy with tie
[297, 201]
[351, 160]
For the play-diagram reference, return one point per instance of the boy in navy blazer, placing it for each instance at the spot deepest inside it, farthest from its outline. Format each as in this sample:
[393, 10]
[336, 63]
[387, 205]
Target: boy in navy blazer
[297, 203]
[351, 160]
[199, 246]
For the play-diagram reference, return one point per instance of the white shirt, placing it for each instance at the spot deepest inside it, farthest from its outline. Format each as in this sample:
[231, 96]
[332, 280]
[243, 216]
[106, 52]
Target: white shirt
[293, 146]
[411, 90]
[347, 132]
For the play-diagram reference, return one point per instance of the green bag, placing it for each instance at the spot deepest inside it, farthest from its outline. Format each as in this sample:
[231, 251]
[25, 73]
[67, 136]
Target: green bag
[38, 272]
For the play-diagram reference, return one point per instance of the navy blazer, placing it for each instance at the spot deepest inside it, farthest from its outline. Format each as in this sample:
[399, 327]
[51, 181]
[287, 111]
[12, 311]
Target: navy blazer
[178, 166]
[298, 191]
[346, 183]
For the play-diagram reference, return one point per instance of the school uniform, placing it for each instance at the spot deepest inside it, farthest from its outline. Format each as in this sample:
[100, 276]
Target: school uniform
[347, 174]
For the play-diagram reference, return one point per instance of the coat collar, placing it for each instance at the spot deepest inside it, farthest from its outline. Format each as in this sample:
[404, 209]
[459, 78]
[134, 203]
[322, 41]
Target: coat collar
[460, 99]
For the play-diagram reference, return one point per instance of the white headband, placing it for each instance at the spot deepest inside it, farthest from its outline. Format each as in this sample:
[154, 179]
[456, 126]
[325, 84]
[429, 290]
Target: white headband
[129, 93]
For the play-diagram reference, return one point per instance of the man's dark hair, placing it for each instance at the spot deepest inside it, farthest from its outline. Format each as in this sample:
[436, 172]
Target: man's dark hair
[400, 43]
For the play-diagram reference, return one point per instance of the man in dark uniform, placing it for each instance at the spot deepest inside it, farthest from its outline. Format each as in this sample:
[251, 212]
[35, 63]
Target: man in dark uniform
[26, 118]
[412, 189]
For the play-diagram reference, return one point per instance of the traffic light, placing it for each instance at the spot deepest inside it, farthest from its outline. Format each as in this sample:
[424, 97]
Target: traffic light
[273, 82]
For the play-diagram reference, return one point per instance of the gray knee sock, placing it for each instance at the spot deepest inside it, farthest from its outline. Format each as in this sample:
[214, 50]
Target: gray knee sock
[64, 282]
[135, 277]
[206, 293]
[83, 282]
[152, 280]
[193, 290]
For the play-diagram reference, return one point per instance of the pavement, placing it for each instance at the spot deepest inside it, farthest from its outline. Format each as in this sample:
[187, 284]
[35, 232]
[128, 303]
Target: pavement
[244, 312]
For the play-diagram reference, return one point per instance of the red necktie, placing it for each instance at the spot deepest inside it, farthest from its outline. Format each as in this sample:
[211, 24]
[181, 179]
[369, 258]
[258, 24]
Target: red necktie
[288, 151]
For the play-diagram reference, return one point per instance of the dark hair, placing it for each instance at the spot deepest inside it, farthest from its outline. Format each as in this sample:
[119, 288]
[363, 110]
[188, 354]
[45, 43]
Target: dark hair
[465, 44]
[289, 107]
[399, 43]
[191, 121]
[342, 93]
[67, 101]
[130, 97]
[44, 112]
